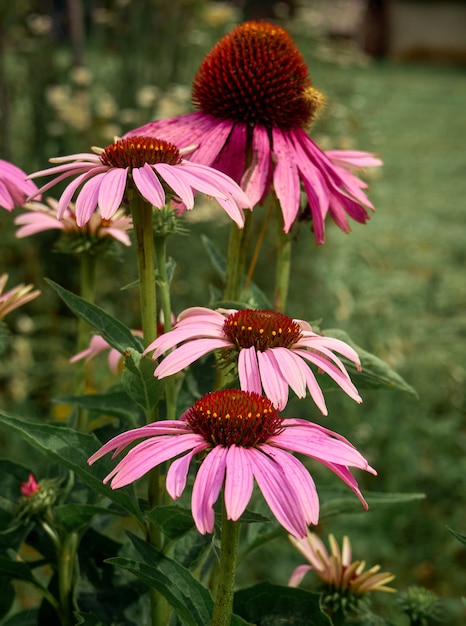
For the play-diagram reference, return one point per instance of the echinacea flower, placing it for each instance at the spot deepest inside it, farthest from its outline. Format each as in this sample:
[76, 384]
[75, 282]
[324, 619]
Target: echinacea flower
[43, 217]
[16, 297]
[274, 351]
[336, 569]
[255, 103]
[14, 186]
[151, 166]
[239, 437]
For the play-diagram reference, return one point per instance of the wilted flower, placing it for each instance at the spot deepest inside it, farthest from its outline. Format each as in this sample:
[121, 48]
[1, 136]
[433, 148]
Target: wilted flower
[14, 187]
[239, 438]
[255, 103]
[151, 166]
[16, 297]
[274, 351]
[336, 569]
[42, 217]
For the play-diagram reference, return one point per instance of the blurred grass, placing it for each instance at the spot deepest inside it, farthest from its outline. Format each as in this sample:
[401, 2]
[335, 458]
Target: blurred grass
[396, 285]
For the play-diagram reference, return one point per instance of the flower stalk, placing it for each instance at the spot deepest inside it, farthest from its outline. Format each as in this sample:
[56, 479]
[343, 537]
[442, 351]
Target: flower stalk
[282, 268]
[236, 259]
[87, 291]
[223, 607]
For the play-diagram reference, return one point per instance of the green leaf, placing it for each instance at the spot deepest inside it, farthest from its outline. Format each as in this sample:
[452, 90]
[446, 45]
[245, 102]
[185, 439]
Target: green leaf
[112, 330]
[7, 597]
[341, 502]
[72, 449]
[174, 521]
[274, 605]
[18, 570]
[30, 617]
[461, 538]
[139, 381]
[86, 619]
[72, 516]
[114, 403]
[191, 601]
[375, 373]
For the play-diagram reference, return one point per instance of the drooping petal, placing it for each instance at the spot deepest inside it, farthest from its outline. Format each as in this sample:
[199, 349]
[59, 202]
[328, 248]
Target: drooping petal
[248, 370]
[239, 481]
[178, 472]
[298, 574]
[174, 176]
[86, 202]
[278, 492]
[36, 222]
[275, 387]
[256, 179]
[70, 189]
[301, 480]
[111, 191]
[292, 369]
[179, 334]
[149, 185]
[206, 488]
[285, 178]
[213, 141]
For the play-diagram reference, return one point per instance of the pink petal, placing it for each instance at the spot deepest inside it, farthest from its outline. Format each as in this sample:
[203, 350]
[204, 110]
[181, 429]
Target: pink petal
[298, 574]
[179, 334]
[275, 387]
[206, 488]
[111, 191]
[35, 223]
[353, 158]
[292, 369]
[256, 178]
[68, 193]
[285, 178]
[174, 176]
[239, 482]
[86, 202]
[278, 492]
[178, 472]
[149, 185]
[187, 354]
[231, 160]
[213, 141]
[248, 370]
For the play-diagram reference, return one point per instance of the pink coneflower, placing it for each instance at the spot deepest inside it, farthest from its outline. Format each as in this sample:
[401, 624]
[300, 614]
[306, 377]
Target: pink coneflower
[255, 104]
[14, 187]
[336, 569]
[16, 297]
[239, 438]
[152, 167]
[42, 217]
[97, 345]
[274, 351]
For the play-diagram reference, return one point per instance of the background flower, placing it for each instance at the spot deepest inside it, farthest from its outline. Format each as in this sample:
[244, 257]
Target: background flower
[240, 438]
[274, 351]
[256, 102]
[14, 187]
[16, 297]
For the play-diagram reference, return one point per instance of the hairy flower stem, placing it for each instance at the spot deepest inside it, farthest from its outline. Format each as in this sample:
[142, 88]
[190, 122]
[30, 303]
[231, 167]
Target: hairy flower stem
[236, 259]
[282, 268]
[223, 607]
[66, 577]
[87, 291]
[164, 288]
[141, 212]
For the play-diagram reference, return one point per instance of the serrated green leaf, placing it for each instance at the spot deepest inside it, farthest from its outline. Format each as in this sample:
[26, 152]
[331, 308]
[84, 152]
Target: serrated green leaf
[274, 605]
[72, 449]
[112, 330]
[139, 381]
[114, 403]
[72, 516]
[191, 601]
[337, 502]
[174, 521]
[375, 372]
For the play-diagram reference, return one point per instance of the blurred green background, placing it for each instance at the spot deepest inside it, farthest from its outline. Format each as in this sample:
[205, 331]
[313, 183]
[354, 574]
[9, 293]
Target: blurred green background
[396, 285]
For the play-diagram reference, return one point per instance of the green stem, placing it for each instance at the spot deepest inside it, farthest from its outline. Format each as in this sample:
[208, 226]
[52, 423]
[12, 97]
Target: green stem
[87, 291]
[66, 575]
[141, 212]
[165, 297]
[282, 268]
[236, 259]
[223, 607]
